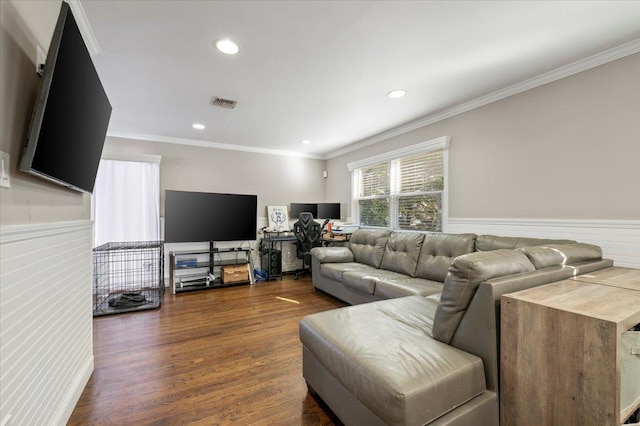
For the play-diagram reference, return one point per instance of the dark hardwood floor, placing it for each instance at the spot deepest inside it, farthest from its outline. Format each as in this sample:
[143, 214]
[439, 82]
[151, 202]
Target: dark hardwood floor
[212, 357]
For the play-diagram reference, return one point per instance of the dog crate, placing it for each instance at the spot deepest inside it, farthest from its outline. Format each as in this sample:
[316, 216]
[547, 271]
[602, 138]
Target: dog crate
[127, 276]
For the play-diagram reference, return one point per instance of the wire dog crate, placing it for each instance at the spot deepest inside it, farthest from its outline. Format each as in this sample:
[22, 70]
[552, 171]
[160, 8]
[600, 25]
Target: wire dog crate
[127, 277]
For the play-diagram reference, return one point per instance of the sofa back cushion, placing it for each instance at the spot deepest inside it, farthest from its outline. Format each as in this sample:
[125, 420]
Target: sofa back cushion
[546, 256]
[402, 251]
[368, 245]
[494, 242]
[439, 250]
[465, 275]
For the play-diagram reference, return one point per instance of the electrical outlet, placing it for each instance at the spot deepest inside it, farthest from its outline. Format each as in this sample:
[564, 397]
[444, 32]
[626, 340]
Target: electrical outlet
[41, 59]
[5, 166]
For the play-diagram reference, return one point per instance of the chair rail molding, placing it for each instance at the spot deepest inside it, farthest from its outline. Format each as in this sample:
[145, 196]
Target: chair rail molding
[619, 239]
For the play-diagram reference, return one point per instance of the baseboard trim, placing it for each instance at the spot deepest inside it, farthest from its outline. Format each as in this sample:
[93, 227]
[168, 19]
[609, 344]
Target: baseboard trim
[73, 395]
[619, 239]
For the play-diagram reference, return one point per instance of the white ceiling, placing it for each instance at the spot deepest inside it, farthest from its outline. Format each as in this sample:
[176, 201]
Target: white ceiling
[320, 70]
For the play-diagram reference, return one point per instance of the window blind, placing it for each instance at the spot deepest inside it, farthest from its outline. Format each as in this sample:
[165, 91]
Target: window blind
[374, 180]
[421, 173]
[403, 193]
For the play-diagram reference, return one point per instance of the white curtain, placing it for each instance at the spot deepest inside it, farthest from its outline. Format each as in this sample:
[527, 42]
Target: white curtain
[126, 202]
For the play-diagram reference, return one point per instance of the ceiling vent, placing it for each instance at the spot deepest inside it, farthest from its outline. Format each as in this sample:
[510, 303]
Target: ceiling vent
[223, 103]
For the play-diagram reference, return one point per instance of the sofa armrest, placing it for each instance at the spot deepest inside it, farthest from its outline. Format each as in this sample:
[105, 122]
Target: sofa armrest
[332, 254]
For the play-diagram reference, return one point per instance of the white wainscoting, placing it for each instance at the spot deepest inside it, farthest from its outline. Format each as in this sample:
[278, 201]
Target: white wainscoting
[619, 239]
[46, 334]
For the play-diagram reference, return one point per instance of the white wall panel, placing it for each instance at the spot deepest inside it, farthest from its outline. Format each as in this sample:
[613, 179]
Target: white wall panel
[619, 239]
[46, 335]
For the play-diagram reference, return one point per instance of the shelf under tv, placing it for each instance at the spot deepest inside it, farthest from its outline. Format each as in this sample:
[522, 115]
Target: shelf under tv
[191, 270]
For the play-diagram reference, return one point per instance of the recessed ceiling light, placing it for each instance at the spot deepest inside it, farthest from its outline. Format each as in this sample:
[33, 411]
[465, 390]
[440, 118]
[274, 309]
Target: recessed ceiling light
[227, 46]
[398, 93]
[306, 141]
[198, 126]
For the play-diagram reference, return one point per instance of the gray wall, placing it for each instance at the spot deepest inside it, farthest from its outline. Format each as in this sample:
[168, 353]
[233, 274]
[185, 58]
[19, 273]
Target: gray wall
[277, 180]
[565, 150]
[26, 24]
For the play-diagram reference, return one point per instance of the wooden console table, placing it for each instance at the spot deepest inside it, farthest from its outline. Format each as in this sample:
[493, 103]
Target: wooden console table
[560, 350]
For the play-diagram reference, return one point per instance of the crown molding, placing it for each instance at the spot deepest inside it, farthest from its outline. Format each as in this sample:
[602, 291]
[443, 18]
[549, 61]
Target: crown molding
[215, 145]
[593, 61]
[585, 64]
[84, 26]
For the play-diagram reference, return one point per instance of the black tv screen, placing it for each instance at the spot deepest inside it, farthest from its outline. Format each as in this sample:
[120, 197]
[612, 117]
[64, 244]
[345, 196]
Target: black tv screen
[297, 208]
[329, 210]
[206, 216]
[71, 115]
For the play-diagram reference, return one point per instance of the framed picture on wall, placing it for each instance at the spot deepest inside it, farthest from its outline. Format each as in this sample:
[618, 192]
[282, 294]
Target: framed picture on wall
[278, 218]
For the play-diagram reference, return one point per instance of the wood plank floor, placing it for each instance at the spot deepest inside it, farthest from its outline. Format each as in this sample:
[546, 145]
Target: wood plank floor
[213, 357]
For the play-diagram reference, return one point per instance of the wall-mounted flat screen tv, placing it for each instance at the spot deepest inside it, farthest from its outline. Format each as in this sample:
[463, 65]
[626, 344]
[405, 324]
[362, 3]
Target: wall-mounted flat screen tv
[71, 115]
[297, 208]
[206, 216]
[329, 210]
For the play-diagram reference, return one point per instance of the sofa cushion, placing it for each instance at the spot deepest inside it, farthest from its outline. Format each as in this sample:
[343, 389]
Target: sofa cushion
[401, 252]
[410, 379]
[561, 254]
[332, 254]
[368, 245]
[578, 252]
[367, 279]
[494, 242]
[439, 250]
[406, 286]
[542, 257]
[335, 270]
[465, 275]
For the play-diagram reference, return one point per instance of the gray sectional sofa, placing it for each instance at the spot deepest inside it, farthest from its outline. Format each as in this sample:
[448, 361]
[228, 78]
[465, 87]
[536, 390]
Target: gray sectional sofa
[426, 350]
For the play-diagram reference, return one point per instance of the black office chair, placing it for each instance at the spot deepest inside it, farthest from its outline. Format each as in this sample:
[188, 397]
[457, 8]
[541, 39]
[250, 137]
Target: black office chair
[309, 235]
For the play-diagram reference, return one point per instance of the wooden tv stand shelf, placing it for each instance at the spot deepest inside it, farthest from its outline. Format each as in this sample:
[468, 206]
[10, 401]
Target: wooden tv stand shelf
[560, 350]
[206, 269]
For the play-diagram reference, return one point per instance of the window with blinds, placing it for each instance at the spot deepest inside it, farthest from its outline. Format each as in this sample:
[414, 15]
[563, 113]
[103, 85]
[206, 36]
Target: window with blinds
[403, 193]
[373, 195]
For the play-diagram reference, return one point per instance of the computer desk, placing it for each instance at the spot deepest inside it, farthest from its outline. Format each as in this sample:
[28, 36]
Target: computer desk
[274, 240]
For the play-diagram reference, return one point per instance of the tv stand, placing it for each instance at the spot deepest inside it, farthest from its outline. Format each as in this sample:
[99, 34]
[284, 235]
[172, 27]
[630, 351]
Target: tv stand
[191, 270]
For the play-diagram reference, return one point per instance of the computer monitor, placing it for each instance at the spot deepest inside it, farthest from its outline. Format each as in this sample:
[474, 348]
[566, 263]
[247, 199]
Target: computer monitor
[329, 211]
[297, 208]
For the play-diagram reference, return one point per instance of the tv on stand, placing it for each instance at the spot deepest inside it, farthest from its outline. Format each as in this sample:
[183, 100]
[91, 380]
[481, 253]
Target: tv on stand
[209, 217]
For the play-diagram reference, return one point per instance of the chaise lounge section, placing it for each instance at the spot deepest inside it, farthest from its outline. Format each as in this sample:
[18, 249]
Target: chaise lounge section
[430, 357]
